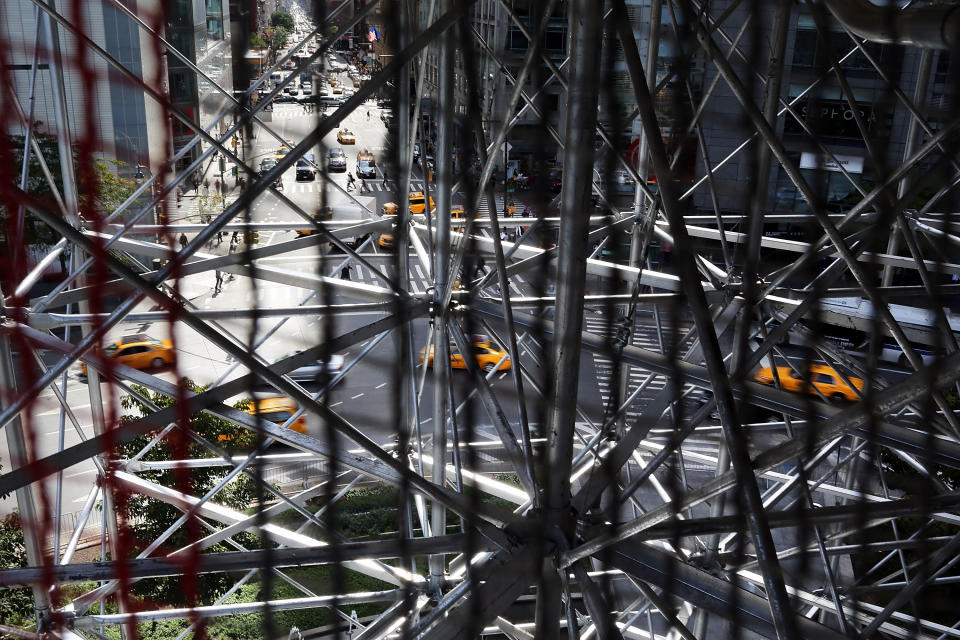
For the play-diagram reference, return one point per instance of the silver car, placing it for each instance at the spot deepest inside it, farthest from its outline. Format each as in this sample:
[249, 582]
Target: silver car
[310, 372]
[336, 160]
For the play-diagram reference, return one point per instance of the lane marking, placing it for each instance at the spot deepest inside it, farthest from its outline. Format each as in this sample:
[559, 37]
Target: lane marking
[56, 411]
[356, 396]
[80, 473]
[381, 385]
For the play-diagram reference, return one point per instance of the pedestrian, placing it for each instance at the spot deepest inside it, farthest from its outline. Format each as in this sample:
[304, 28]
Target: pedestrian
[219, 238]
[363, 184]
[349, 181]
[526, 211]
[183, 241]
[345, 272]
[216, 185]
[206, 186]
[368, 114]
[219, 285]
[384, 174]
[235, 238]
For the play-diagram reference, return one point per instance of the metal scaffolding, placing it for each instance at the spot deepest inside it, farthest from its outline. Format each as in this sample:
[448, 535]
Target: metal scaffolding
[726, 399]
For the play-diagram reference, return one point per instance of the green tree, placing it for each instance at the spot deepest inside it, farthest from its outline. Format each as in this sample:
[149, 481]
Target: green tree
[256, 42]
[16, 605]
[283, 19]
[150, 517]
[280, 37]
[111, 189]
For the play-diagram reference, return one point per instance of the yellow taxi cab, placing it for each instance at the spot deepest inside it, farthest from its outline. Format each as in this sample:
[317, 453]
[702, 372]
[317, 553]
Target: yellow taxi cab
[139, 351]
[818, 378]
[487, 353]
[321, 215]
[389, 209]
[277, 410]
[345, 136]
[457, 212]
[385, 240]
[281, 152]
[418, 202]
[337, 89]
[366, 154]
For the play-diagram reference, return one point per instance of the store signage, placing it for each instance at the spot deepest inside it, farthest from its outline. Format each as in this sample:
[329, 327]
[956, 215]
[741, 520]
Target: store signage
[852, 164]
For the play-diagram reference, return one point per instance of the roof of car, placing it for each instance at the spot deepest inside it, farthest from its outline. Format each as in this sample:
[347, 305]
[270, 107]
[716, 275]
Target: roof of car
[137, 337]
[265, 405]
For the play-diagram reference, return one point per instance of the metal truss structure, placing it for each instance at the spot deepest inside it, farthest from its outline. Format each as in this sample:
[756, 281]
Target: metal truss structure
[688, 516]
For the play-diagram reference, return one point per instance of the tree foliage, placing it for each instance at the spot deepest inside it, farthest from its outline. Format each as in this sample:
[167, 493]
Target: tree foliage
[148, 518]
[283, 19]
[109, 189]
[256, 42]
[16, 605]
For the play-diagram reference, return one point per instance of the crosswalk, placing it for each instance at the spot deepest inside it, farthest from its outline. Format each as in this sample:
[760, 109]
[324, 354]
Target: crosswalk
[644, 335]
[373, 186]
[420, 280]
[376, 185]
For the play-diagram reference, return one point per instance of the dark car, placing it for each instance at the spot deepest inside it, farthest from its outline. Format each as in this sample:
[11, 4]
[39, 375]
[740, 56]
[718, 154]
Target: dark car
[555, 180]
[285, 98]
[366, 169]
[336, 160]
[305, 170]
[266, 164]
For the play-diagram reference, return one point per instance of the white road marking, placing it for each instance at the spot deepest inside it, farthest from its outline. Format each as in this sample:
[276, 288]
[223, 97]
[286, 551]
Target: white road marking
[56, 411]
[381, 385]
[80, 473]
[356, 396]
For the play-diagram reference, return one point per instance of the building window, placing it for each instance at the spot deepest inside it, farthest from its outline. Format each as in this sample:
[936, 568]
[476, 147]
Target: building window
[214, 27]
[183, 87]
[516, 40]
[810, 53]
[555, 40]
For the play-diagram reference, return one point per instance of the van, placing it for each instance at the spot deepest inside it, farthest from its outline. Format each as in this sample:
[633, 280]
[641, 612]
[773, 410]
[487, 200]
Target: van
[276, 77]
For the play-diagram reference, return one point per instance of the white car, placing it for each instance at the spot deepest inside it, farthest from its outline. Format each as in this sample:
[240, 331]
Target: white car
[310, 372]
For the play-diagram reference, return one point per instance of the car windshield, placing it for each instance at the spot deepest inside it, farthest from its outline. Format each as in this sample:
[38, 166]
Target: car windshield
[336, 153]
[110, 349]
[155, 343]
[268, 163]
[416, 200]
[365, 165]
[347, 133]
[278, 417]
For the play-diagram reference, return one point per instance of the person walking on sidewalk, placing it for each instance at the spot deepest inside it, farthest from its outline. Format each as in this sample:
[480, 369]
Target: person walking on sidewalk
[216, 185]
[345, 272]
[384, 174]
[219, 286]
[206, 187]
[350, 181]
[183, 241]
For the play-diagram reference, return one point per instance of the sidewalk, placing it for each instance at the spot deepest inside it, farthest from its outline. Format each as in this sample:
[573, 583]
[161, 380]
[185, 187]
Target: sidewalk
[195, 204]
